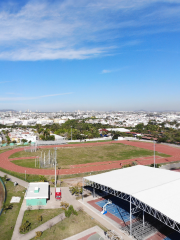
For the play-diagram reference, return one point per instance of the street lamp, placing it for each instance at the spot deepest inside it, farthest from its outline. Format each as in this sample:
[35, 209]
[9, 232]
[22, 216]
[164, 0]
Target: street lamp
[71, 133]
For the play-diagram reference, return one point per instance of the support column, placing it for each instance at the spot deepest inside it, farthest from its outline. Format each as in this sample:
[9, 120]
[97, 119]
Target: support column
[143, 218]
[130, 218]
[82, 189]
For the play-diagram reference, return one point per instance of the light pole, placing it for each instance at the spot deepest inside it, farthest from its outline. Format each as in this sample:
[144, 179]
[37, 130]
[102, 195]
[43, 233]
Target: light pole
[154, 155]
[71, 133]
[55, 165]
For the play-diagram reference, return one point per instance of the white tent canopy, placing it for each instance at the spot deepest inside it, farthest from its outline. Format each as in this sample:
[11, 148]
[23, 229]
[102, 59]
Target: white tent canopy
[157, 188]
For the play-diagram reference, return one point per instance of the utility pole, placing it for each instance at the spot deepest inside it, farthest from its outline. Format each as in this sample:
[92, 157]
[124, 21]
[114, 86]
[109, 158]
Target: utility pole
[71, 133]
[55, 166]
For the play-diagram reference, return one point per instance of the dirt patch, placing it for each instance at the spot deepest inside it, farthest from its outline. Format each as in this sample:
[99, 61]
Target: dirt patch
[73, 181]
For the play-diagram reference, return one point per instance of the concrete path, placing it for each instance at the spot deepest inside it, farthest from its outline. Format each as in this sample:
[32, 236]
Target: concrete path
[16, 235]
[14, 179]
[69, 198]
[95, 229]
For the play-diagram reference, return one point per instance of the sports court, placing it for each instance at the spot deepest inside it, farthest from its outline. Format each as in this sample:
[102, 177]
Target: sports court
[145, 201]
[118, 208]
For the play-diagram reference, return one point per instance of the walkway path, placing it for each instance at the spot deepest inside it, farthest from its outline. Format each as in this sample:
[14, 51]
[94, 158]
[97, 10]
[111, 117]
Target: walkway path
[14, 179]
[8, 164]
[16, 235]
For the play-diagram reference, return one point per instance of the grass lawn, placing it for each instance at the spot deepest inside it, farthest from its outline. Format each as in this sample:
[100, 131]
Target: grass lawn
[88, 154]
[36, 178]
[5, 150]
[46, 214]
[29, 177]
[8, 219]
[30, 163]
[70, 226]
[2, 194]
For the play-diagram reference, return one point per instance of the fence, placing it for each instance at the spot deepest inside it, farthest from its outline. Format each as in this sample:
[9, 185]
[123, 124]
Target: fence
[1, 182]
[59, 142]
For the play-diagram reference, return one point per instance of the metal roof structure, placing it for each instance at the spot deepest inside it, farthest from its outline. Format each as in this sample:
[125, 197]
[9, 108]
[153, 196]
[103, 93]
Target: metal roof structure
[37, 190]
[155, 191]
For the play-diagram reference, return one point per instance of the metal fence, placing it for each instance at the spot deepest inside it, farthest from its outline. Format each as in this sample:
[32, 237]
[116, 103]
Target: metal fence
[59, 142]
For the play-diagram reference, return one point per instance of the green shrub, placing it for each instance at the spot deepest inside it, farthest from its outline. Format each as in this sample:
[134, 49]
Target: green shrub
[156, 165]
[25, 227]
[7, 206]
[38, 234]
[39, 218]
[64, 205]
[70, 211]
[76, 190]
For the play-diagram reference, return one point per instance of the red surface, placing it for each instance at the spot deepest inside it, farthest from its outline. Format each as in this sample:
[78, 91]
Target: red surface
[8, 164]
[87, 236]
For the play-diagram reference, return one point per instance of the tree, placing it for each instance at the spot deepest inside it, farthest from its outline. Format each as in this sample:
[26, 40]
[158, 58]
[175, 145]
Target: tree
[7, 206]
[8, 139]
[23, 140]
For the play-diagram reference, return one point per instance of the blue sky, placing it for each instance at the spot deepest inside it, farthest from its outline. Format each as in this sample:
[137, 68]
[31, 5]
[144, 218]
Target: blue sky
[90, 55]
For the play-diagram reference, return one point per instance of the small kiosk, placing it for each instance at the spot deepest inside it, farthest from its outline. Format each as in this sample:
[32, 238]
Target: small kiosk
[37, 194]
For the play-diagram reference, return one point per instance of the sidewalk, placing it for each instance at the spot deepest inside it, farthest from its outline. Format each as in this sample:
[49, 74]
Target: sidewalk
[80, 235]
[14, 179]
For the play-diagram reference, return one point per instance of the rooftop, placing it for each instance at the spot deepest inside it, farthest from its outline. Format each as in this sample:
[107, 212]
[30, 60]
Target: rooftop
[37, 190]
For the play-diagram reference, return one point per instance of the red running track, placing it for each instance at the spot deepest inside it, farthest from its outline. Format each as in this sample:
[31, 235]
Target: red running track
[7, 163]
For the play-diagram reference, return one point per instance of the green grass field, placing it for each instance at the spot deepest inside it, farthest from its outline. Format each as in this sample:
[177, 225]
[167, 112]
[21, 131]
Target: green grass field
[46, 214]
[89, 154]
[70, 226]
[8, 219]
[36, 178]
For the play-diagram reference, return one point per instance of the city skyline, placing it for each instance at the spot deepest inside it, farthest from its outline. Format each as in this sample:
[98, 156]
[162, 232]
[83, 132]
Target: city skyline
[100, 55]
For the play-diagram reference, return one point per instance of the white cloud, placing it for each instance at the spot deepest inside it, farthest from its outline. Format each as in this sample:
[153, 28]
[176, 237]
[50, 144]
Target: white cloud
[114, 70]
[30, 98]
[106, 71]
[78, 29]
